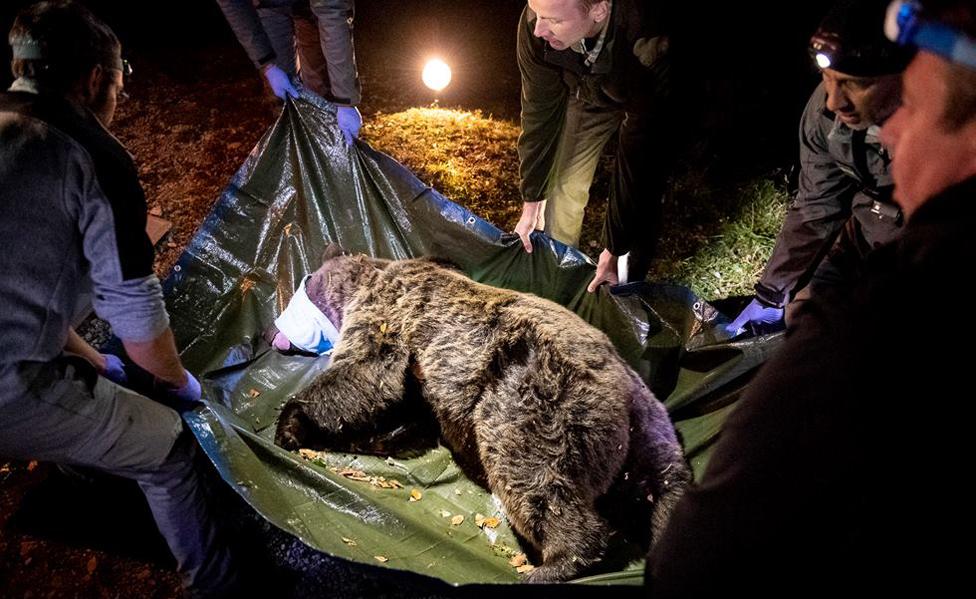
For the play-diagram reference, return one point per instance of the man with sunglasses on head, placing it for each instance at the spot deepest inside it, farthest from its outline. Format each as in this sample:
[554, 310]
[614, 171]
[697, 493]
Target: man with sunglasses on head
[842, 207]
[73, 219]
[842, 470]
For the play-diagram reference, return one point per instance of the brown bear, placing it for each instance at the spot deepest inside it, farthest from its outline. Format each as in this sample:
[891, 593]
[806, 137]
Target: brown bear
[532, 398]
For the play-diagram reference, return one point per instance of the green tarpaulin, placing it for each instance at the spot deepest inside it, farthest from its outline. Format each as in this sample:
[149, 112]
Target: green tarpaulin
[300, 189]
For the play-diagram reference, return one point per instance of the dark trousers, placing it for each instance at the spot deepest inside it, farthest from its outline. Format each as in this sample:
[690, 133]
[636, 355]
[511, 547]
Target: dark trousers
[73, 416]
[643, 162]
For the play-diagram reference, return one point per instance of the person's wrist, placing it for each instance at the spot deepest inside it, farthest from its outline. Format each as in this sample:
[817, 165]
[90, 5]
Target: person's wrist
[174, 385]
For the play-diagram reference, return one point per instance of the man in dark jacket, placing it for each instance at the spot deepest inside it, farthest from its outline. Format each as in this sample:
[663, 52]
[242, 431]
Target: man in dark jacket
[841, 471]
[311, 39]
[842, 208]
[592, 70]
[72, 218]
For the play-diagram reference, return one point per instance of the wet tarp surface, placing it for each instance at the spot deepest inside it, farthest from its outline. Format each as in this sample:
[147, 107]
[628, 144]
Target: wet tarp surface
[300, 189]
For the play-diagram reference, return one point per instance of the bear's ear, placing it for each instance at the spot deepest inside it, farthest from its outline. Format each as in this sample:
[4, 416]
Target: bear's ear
[333, 250]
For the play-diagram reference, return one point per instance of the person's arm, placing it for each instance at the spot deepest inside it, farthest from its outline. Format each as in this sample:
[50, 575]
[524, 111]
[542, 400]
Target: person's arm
[606, 271]
[159, 357]
[78, 346]
[250, 32]
[244, 21]
[126, 291]
[544, 97]
[815, 215]
[108, 365]
[335, 19]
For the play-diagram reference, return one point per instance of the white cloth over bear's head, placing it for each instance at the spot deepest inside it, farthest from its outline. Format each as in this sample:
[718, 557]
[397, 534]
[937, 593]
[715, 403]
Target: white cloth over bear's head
[305, 326]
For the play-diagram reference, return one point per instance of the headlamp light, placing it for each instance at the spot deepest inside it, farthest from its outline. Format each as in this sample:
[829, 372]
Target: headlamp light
[824, 49]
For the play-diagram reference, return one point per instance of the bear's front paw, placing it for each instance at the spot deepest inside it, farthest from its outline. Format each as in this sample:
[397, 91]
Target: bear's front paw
[292, 429]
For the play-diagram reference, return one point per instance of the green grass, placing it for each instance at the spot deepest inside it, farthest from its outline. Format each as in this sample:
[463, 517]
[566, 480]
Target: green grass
[716, 239]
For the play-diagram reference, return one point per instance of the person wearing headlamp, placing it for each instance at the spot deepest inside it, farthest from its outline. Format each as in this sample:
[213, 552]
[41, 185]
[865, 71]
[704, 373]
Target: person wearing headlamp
[842, 206]
[933, 134]
[841, 470]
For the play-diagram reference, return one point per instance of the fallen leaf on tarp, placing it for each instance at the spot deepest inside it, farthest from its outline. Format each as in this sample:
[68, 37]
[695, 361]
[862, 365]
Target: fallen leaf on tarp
[518, 560]
[358, 475]
[349, 542]
[379, 481]
[490, 523]
[525, 568]
[416, 495]
[381, 559]
[457, 520]
[502, 550]
[352, 474]
[253, 393]
[445, 514]
[309, 454]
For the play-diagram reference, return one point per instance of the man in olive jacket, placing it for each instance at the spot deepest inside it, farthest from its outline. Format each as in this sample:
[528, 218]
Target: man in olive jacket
[592, 70]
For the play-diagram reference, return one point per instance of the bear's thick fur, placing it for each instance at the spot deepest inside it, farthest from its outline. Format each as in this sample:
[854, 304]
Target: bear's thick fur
[526, 393]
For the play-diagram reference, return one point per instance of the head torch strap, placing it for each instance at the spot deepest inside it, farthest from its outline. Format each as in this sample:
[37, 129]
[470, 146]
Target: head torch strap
[26, 49]
[906, 25]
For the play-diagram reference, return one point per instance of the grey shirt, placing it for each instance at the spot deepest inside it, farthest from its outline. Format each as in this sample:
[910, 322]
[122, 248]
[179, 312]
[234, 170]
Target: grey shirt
[61, 233]
[844, 174]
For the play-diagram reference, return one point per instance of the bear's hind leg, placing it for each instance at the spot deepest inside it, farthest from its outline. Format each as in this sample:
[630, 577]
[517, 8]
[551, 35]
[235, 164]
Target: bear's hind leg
[555, 513]
[572, 537]
[294, 427]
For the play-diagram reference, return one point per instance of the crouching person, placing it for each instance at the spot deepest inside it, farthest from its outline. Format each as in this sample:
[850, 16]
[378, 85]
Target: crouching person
[73, 215]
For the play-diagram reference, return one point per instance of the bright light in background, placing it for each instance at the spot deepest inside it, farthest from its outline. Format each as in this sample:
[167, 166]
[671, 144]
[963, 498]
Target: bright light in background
[823, 61]
[436, 74]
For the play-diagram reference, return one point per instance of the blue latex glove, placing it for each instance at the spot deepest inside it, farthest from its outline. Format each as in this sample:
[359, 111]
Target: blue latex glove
[758, 318]
[280, 82]
[181, 398]
[114, 370]
[350, 122]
